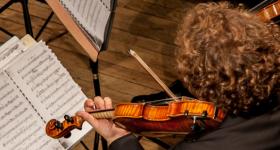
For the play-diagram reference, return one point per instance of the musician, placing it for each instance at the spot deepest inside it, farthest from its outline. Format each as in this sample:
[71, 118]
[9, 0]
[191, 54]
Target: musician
[229, 57]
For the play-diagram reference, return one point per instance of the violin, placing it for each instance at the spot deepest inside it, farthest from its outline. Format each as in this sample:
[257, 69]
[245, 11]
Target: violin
[152, 119]
[270, 12]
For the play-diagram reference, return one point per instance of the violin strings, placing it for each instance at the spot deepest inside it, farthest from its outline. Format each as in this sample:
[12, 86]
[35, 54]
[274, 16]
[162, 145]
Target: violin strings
[163, 100]
[168, 99]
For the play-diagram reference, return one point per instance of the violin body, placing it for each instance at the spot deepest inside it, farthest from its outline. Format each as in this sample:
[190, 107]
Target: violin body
[176, 117]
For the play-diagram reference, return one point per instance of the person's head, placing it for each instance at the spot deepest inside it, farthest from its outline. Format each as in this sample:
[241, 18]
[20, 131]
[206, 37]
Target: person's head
[228, 56]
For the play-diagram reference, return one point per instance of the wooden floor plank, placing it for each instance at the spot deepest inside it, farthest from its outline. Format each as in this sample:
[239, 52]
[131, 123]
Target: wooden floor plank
[36, 9]
[144, 25]
[153, 9]
[147, 26]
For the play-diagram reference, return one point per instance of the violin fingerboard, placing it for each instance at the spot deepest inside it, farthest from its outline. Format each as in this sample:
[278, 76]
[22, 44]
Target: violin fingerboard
[103, 115]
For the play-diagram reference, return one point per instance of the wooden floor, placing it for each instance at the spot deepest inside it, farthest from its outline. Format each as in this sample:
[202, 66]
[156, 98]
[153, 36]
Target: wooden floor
[147, 26]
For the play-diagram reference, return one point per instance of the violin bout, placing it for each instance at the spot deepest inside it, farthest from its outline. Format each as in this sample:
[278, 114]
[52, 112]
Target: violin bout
[178, 117]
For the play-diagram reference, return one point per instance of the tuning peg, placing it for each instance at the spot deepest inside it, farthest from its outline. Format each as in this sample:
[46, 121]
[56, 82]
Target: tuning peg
[58, 125]
[68, 119]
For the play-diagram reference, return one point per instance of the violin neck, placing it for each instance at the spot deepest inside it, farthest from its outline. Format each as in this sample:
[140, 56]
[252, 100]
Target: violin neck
[103, 114]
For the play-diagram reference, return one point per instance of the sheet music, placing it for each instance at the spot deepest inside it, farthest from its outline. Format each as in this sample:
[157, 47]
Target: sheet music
[108, 4]
[48, 86]
[6, 46]
[20, 126]
[9, 50]
[92, 15]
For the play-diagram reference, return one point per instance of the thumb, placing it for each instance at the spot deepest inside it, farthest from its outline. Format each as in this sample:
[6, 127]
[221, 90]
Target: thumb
[88, 117]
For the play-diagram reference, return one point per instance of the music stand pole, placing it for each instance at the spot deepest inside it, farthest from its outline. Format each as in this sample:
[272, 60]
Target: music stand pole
[96, 85]
[26, 16]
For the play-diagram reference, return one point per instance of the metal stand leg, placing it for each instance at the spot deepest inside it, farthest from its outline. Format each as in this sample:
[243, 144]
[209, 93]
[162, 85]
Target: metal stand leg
[56, 37]
[7, 32]
[26, 16]
[27, 20]
[7, 5]
[44, 25]
[3, 8]
[84, 145]
[94, 69]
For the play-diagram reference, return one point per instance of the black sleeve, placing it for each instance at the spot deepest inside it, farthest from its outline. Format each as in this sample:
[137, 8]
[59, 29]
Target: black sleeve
[126, 142]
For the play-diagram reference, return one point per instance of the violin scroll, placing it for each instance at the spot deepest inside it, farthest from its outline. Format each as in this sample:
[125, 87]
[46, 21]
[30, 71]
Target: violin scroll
[57, 129]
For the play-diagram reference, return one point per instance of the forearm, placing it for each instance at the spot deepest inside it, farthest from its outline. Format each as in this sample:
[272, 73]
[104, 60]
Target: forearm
[126, 142]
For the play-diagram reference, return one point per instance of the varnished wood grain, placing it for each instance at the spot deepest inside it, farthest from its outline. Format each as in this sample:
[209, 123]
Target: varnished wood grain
[146, 26]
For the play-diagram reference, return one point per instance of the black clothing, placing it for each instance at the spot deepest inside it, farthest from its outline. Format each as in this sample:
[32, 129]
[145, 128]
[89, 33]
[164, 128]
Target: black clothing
[260, 132]
[127, 142]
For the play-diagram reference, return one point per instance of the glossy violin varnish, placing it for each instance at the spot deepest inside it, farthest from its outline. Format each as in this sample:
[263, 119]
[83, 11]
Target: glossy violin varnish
[269, 12]
[56, 130]
[174, 117]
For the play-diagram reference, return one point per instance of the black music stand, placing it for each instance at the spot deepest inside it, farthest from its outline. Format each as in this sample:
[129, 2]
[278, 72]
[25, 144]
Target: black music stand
[26, 16]
[93, 64]
[94, 70]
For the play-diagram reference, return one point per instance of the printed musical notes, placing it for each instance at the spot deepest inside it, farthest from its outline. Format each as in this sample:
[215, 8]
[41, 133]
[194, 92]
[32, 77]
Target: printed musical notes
[43, 77]
[34, 87]
[20, 127]
[92, 15]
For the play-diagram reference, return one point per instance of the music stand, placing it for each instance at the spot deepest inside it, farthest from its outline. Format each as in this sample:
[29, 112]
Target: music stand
[84, 40]
[94, 70]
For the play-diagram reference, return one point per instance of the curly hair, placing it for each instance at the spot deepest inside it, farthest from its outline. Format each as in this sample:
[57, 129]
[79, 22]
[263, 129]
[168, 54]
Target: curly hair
[228, 56]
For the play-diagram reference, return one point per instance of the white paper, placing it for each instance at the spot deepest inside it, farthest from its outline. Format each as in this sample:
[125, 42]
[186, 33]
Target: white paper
[20, 126]
[49, 86]
[35, 88]
[92, 15]
[9, 50]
